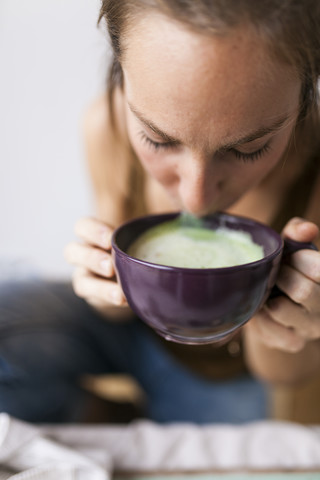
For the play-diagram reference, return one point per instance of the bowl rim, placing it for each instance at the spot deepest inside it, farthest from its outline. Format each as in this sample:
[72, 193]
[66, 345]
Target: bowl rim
[171, 215]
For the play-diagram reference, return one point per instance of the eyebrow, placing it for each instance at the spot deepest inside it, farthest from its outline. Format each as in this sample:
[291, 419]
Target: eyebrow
[259, 133]
[154, 128]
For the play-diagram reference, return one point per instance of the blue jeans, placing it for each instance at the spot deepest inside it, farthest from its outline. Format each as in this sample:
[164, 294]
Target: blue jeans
[49, 338]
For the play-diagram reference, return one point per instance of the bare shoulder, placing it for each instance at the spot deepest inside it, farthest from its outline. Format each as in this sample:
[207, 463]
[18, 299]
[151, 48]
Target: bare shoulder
[107, 155]
[97, 122]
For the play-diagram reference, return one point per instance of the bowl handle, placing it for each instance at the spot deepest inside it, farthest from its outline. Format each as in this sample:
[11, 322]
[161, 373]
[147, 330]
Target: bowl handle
[289, 247]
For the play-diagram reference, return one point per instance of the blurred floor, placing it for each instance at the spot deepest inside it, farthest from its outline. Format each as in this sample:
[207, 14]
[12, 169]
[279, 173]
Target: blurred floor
[112, 399]
[119, 399]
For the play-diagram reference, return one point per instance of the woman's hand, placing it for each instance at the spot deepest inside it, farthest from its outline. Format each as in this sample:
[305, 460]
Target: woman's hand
[94, 278]
[288, 322]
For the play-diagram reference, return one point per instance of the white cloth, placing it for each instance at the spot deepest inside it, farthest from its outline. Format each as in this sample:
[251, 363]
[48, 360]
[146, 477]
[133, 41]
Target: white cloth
[80, 452]
[25, 453]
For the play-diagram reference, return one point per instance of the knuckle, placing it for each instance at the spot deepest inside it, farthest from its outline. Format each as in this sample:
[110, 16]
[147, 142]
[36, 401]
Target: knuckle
[100, 291]
[89, 257]
[302, 292]
[288, 342]
[106, 266]
[94, 231]
[295, 344]
[115, 295]
[85, 256]
[95, 260]
[98, 261]
[273, 342]
[269, 341]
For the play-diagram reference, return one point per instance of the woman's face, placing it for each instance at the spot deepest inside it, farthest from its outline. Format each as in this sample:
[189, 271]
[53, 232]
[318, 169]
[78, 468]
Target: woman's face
[208, 116]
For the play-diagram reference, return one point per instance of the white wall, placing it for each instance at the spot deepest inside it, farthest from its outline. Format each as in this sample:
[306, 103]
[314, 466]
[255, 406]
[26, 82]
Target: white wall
[53, 62]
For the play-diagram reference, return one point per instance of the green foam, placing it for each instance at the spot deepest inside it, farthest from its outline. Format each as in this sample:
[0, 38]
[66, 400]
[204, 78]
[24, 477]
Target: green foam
[174, 244]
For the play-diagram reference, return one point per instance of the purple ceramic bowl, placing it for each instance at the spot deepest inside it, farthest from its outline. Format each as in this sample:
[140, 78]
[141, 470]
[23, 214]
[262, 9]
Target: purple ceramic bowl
[196, 306]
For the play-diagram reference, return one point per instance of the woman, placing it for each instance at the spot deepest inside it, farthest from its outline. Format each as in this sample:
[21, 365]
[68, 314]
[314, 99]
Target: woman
[211, 106]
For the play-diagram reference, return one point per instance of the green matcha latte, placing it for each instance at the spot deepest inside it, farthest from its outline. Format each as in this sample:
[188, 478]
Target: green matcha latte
[174, 244]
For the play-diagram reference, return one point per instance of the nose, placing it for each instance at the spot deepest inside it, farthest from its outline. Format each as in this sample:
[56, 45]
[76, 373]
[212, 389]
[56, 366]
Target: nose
[200, 184]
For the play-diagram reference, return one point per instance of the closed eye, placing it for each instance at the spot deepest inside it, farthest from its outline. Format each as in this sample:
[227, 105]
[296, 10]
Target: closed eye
[156, 145]
[252, 156]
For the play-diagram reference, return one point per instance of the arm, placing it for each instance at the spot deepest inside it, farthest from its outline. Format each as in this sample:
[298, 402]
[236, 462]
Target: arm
[108, 164]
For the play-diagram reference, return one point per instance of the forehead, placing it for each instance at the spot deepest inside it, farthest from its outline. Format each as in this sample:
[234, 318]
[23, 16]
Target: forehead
[187, 80]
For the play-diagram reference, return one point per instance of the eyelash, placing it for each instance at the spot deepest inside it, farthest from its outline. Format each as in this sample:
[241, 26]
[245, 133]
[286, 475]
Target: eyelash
[155, 145]
[246, 157]
[251, 157]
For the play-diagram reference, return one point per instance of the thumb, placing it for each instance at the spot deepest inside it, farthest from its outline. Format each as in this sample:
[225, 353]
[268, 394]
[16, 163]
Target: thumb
[300, 230]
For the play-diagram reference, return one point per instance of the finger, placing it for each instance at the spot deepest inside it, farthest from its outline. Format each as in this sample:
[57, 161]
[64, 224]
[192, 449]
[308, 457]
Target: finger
[300, 230]
[88, 286]
[287, 313]
[299, 288]
[275, 335]
[94, 259]
[94, 232]
[308, 263]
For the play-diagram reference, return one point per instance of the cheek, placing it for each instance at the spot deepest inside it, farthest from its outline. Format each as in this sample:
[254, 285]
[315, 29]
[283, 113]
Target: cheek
[281, 146]
[252, 174]
[264, 166]
[158, 164]
[244, 176]
[145, 155]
